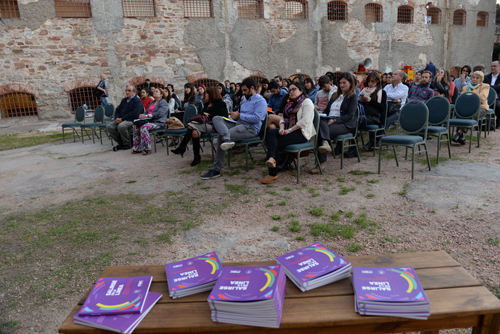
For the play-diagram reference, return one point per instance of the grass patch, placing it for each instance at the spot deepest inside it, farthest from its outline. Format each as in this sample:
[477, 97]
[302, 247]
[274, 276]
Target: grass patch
[282, 203]
[372, 181]
[347, 231]
[354, 247]
[15, 140]
[295, 226]
[275, 228]
[131, 181]
[405, 189]
[360, 172]
[276, 217]
[327, 230]
[346, 190]
[313, 192]
[349, 214]
[291, 215]
[362, 221]
[317, 211]
[341, 179]
[493, 241]
[238, 189]
[370, 195]
[300, 238]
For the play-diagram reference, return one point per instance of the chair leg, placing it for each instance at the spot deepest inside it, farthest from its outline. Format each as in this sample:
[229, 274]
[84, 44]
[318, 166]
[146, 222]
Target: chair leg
[427, 154]
[395, 155]
[449, 146]
[379, 156]
[406, 153]
[478, 138]
[298, 167]
[246, 157]
[81, 130]
[412, 162]
[357, 149]
[438, 148]
[93, 138]
[342, 155]
[100, 135]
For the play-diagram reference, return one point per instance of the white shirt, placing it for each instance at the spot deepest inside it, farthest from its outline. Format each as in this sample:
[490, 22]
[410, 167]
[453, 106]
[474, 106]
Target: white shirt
[493, 79]
[400, 92]
[335, 107]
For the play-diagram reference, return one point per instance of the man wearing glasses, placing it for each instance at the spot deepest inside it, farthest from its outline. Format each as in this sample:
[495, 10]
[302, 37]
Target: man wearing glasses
[129, 109]
[464, 79]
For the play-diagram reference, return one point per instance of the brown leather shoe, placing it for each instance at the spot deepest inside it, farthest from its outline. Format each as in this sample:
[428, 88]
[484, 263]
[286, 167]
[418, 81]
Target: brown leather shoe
[269, 179]
[271, 163]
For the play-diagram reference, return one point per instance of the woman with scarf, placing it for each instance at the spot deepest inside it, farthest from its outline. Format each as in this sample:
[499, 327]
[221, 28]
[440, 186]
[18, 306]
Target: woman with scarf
[373, 98]
[476, 86]
[295, 127]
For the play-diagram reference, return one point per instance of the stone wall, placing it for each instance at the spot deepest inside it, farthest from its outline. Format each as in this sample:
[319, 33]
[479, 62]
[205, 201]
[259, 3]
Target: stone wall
[56, 55]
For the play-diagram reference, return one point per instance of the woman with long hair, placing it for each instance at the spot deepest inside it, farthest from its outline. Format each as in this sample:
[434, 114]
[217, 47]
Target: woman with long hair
[440, 84]
[214, 106]
[167, 96]
[339, 116]
[189, 96]
[155, 115]
[373, 98]
[225, 96]
[295, 127]
[145, 98]
[311, 90]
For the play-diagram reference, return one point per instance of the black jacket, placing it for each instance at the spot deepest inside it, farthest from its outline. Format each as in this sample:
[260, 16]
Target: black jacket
[218, 109]
[128, 111]
[496, 86]
[348, 110]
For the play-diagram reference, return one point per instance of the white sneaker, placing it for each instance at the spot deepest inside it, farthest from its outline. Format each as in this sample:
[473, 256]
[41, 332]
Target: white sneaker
[227, 144]
[325, 148]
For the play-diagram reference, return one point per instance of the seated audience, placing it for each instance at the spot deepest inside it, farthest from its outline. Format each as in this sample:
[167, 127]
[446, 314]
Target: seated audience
[482, 89]
[464, 79]
[156, 114]
[417, 78]
[325, 94]
[245, 124]
[342, 117]
[189, 96]
[129, 109]
[145, 98]
[170, 88]
[214, 106]
[225, 96]
[316, 83]
[373, 98]
[276, 96]
[295, 127]
[440, 84]
[167, 96]
[453, 88]
[422, 91]
[201, 93]
[264, 90]
[284, 84]
[397, 93]
[311, 90]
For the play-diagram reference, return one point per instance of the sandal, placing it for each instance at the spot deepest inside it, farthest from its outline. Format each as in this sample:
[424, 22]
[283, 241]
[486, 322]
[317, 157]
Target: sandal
[136, 152]
[146, 152]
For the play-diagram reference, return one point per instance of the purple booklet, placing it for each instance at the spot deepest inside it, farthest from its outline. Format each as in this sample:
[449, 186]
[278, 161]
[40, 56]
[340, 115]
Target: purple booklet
[117, 295]
[373, 285]
[311, 262]
[121, 323]
[192, 273]
[251, 296]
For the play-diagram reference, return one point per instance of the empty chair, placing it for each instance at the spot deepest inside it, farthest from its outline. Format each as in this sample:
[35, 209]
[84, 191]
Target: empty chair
[467, 115]
[439, 114]
[98, 119]
[79, 120]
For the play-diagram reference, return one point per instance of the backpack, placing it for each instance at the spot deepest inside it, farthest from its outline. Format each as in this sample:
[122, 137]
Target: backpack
[362, 115]
[97, 92]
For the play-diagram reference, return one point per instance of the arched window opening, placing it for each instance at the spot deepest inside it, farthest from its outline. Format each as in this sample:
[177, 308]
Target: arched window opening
[9, 9]
[83, 97]
[206, 82]
[198, 8]
[18, 104]
[296, 10]
[73, 8]
[337, 11]
[250, 9]
[405, 14]
[373, 12]
[459, 17]
[482, 19]
[434, 14]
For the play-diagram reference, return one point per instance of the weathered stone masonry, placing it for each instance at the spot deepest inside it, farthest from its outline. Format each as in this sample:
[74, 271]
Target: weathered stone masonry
[50, 56]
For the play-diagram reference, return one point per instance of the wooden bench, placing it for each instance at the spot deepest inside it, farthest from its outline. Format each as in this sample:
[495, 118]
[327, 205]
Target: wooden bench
[457, 301]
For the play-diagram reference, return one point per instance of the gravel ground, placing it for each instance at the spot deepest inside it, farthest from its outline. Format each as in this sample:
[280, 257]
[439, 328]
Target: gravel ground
[386, 213]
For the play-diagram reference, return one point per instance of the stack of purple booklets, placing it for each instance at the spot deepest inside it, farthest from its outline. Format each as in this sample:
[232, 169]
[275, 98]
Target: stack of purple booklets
[194, 275]
[117, 304]
[394, 292]
[250, 296]
[314, 266]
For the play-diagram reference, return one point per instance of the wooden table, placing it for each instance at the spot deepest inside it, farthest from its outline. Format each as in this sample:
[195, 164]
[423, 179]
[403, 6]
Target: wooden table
[457, 301]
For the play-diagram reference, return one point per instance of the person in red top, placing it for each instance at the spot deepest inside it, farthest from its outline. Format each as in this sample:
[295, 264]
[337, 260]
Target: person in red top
[145, 98]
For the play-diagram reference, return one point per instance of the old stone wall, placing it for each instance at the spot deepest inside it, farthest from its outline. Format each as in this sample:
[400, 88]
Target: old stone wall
[56, 55]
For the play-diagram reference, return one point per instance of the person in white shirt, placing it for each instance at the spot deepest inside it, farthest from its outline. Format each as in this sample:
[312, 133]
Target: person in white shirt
[397, 93]
[493, 79]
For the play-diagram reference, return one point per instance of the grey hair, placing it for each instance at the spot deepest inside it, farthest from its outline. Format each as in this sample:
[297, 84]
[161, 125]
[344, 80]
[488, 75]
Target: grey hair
[403, 75]
[133, 89]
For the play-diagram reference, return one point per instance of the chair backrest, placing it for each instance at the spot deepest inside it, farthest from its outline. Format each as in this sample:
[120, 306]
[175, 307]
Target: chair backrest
[492, 97]
[99, 115]
[316, 125]
[414, 118]
[190, 112]
[177, 104]
[263, 128]
[109, 110]
[439, 110]
[80, 115]
[467, 105]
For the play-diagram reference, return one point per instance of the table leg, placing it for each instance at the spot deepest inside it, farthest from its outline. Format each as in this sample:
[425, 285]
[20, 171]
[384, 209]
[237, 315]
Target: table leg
[490, 324]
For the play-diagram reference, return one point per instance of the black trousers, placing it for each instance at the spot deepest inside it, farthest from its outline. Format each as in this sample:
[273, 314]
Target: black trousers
[497, 112]
[329, 132]
[275, 142]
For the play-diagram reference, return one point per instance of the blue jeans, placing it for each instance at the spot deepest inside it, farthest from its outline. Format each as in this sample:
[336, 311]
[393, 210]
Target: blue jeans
[104, 100]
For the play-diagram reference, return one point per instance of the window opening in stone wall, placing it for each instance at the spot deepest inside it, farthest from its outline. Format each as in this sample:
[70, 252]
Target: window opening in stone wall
[250, 9]
[9, 9]
[139, 8]
[139, 87]
[405, 14]
[337, 11]
[435, 15]
[336, 76]
[73, 8]
[373, 12]
[198, 8]
[206, 82]
[296, 75]
[18, 105]
[459, 17]
[482, 19]
[296, 10]
[83, 97]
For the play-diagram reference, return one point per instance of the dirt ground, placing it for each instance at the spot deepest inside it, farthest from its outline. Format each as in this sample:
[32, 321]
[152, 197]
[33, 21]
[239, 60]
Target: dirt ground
[353, 210]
